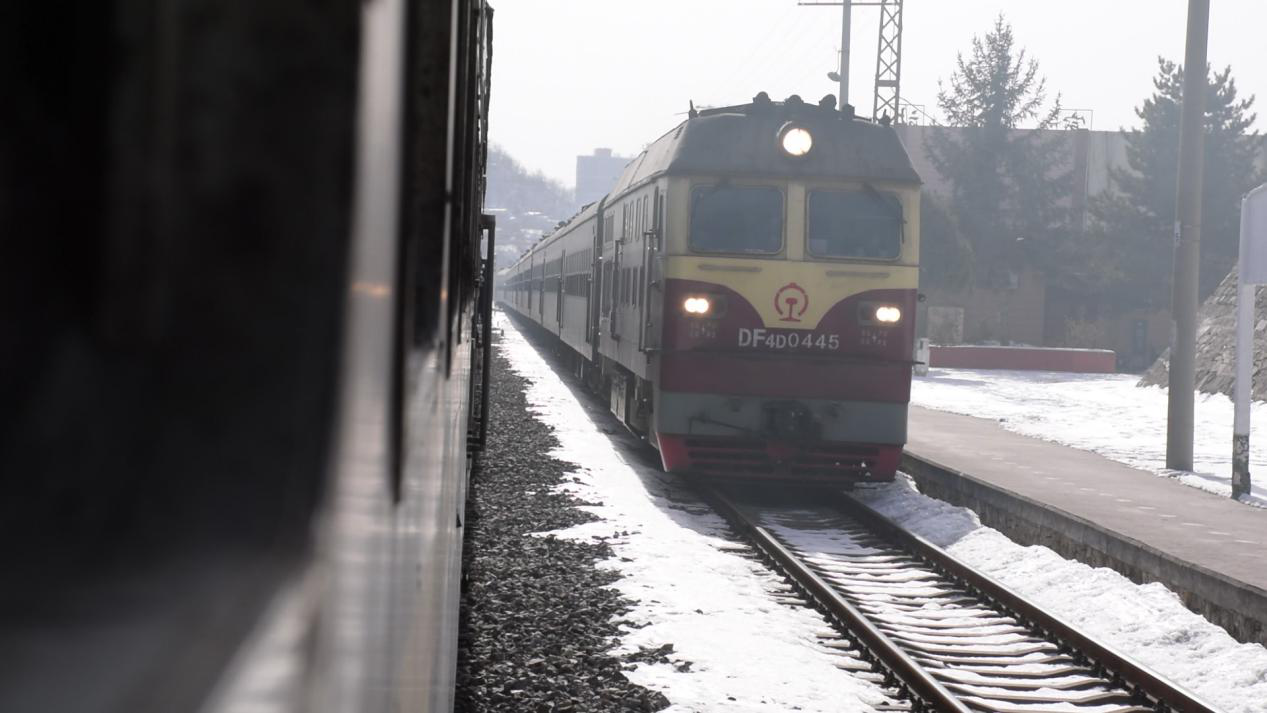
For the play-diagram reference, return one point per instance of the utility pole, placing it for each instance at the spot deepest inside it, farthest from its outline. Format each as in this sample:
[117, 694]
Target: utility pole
[888, 66]
[846, 19]
[1183, 342]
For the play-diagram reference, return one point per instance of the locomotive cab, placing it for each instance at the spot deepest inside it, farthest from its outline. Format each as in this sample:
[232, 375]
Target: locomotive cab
[746, 293]
[791, 265]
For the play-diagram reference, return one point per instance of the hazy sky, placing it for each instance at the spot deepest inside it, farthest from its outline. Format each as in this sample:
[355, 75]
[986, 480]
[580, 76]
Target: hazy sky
[572, 75]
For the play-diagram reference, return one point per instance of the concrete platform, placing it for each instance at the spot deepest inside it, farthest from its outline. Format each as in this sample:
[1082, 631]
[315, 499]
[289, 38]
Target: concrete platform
[1206, 548]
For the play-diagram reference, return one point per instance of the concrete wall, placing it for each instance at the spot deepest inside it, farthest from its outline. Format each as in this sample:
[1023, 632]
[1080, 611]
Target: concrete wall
[1028, 313]
[1011, 313]
[1090, 153]
[1015, 309]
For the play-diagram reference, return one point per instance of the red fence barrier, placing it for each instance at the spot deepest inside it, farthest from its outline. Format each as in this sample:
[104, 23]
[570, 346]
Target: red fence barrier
[1088, 361]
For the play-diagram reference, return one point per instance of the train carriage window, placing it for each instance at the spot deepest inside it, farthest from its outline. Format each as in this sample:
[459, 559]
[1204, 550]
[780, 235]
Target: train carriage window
[607, 287]
[737, 219]
[637, 219]
[854, 224]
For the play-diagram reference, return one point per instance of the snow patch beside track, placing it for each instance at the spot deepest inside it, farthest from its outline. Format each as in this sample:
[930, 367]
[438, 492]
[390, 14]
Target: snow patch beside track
[691, 584]
[1146, 622]
[749, 653]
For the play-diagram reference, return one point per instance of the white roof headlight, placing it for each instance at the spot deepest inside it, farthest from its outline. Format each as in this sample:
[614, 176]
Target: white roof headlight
[888, 314]
[796, 141]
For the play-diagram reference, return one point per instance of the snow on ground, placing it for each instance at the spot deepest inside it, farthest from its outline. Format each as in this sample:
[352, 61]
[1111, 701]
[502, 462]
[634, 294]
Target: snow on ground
[750, 653]
[694, 590]
[1103, 413]
[1146, 622]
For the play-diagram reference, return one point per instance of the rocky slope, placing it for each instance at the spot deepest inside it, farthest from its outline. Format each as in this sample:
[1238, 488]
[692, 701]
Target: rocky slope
[1216, 344]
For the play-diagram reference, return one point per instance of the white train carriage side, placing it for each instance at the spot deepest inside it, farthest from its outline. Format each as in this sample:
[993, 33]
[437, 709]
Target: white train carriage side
[557, 285]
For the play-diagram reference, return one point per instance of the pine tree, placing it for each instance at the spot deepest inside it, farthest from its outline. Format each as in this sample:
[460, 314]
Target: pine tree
[1136, 218]
[1007, 185]
[945, 255]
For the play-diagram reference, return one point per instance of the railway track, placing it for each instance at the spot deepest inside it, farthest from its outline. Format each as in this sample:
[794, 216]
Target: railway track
[945, 636]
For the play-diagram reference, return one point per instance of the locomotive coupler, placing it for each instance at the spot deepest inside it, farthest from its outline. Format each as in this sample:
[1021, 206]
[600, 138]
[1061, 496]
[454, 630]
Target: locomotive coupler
[789, 421]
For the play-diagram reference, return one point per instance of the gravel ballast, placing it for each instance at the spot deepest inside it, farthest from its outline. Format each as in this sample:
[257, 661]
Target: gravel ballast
[539, 620]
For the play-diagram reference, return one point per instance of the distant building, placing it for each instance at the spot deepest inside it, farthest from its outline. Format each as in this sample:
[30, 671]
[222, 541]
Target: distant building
[597, 174]
[1090, 154]
[1020, 307]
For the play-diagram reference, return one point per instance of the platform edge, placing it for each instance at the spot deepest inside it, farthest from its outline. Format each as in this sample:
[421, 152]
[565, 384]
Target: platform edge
[1238, 607]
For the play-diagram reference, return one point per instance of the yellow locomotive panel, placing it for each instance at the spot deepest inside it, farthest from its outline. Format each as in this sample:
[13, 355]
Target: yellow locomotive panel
[760, 282]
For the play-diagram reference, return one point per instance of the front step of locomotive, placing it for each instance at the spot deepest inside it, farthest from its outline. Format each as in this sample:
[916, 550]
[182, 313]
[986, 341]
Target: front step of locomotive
[763, 458]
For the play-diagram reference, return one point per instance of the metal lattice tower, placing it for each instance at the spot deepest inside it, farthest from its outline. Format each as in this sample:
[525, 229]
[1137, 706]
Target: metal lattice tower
[888, 62]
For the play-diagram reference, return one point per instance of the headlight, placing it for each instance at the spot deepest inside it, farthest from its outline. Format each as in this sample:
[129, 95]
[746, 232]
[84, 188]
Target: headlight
[796, 141]
[888, 314]
[697, 305]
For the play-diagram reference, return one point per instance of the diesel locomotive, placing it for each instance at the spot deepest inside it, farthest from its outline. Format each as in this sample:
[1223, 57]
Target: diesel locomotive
[746, 293]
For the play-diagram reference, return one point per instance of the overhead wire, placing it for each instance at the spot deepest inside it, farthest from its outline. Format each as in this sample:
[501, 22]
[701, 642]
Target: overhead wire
[769, 50]
[785, 20]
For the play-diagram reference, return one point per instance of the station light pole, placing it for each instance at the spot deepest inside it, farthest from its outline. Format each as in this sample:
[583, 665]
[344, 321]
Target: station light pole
[1183, 341]
[841, 75]
[846, 22]
[888, 64]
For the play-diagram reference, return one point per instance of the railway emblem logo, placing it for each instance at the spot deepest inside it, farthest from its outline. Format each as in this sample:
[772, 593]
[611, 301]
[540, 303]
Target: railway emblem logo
[790, 302]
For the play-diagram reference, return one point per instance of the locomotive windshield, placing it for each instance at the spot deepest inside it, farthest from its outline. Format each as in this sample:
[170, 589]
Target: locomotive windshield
[737, 219]
[855, 224]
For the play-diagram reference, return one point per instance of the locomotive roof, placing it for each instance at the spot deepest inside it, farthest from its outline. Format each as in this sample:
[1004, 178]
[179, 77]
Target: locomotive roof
[743, 141]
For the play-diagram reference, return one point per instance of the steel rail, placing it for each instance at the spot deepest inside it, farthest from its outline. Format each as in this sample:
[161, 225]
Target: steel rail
[1164, 694]
[910, 678]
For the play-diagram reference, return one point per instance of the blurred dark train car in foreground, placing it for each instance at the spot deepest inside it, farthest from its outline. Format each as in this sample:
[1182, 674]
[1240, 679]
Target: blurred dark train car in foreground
[243, 331]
